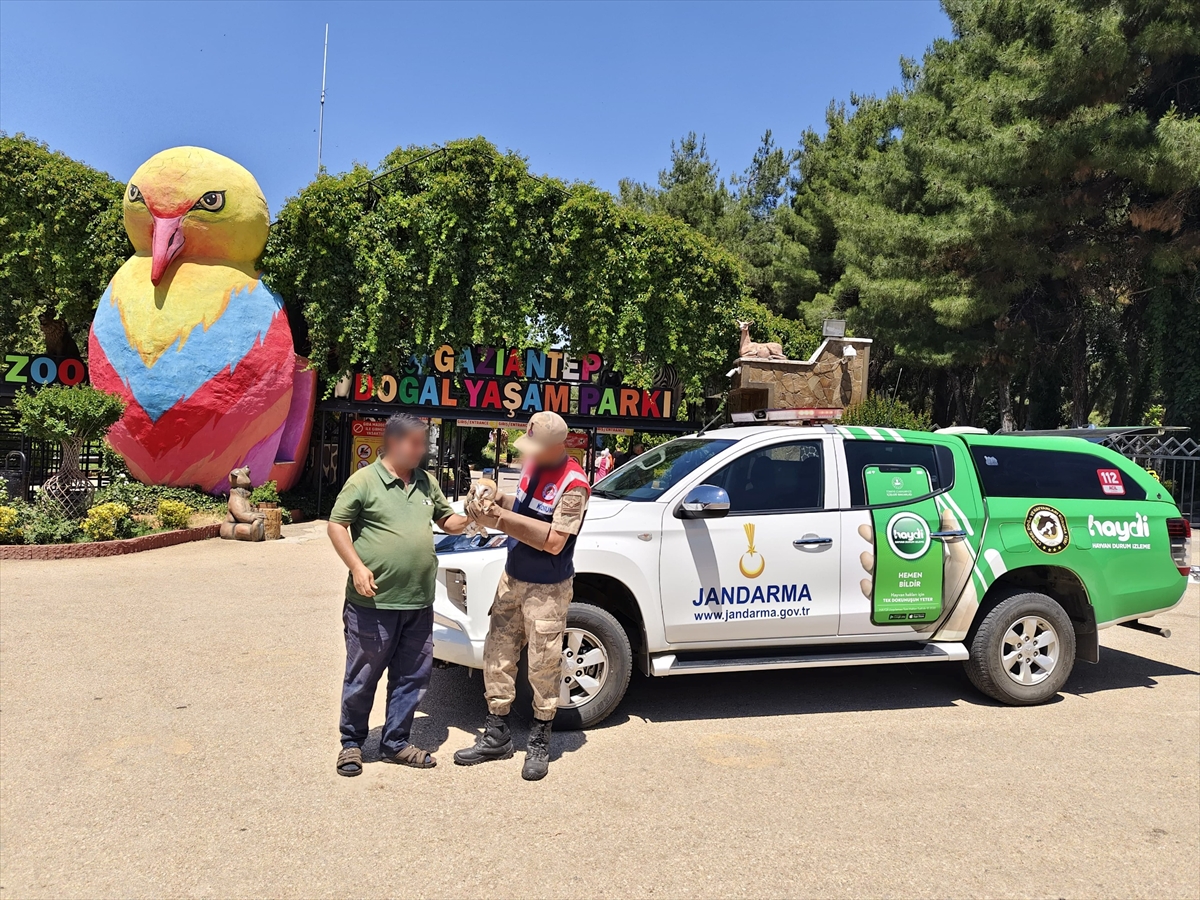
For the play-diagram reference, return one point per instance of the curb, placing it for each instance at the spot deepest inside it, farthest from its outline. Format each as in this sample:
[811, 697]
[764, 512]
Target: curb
[109, 548]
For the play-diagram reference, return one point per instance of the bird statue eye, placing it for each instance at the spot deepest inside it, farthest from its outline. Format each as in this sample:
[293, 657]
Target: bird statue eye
[135, 196]
[213, 201]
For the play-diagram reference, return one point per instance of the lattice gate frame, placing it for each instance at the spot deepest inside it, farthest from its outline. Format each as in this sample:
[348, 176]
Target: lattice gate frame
[1174, 460]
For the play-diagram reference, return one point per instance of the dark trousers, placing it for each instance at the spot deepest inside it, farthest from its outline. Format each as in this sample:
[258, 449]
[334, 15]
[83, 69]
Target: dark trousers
[400, 641]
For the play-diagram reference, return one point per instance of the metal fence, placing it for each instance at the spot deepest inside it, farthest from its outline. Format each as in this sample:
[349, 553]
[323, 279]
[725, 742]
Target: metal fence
[1173, 459]
[28, 463]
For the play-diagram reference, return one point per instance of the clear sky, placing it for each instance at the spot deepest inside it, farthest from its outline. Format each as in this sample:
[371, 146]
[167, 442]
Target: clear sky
[589, 92]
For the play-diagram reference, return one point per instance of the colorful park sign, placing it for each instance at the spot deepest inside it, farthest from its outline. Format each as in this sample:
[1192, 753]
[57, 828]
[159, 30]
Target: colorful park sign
[514, 382]
[22, 370]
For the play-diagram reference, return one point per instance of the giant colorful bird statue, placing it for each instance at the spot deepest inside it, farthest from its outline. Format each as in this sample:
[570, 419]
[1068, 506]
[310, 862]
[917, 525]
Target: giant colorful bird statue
[193, 340]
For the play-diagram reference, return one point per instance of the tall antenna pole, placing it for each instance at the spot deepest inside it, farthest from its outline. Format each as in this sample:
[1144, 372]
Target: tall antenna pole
[321, 122]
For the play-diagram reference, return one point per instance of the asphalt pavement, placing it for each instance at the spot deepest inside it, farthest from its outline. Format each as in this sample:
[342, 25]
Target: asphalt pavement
[168, 727]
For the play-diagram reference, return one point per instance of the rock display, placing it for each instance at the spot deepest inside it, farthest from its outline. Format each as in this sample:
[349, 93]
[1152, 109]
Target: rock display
[833, 378]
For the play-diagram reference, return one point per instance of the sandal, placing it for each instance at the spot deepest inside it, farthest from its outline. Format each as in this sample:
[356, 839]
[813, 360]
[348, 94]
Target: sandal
[410, 755]
[349, 762]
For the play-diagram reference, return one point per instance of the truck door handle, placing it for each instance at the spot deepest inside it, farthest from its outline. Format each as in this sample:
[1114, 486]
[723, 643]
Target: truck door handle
[948, 535]
[812, 541]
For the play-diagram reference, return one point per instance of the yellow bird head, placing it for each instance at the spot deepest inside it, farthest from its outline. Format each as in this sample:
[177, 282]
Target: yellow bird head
[191, 203]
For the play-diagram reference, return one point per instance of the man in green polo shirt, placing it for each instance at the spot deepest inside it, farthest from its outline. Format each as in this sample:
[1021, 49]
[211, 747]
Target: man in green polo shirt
[381, 527]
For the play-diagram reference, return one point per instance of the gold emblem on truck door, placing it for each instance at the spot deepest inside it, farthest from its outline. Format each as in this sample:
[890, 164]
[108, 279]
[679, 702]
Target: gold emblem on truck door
[751, 564]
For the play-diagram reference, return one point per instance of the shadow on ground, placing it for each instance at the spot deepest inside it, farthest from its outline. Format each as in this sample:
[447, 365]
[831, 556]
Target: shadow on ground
[456, 698]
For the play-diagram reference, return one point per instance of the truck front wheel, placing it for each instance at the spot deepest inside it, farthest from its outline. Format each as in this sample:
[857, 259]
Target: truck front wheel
[597, 662]
[1023, 651]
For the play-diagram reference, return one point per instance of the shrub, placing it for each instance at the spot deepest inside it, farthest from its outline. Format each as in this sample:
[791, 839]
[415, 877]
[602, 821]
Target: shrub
[265, 493]
[44, 523]
[879, 410]
[173, 514]
[145, 498]
[109, 522]
[10, 526]
[112, 462]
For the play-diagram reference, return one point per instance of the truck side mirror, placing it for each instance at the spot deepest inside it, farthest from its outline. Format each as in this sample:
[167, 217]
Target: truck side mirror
[704, 501]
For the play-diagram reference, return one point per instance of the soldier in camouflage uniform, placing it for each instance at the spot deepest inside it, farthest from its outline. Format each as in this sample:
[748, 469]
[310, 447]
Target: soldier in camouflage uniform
[530, 607]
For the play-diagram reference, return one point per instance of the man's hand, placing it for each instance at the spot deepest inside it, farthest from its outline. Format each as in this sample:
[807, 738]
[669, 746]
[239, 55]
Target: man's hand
[454, 524]
[486, 514]
[364, 581]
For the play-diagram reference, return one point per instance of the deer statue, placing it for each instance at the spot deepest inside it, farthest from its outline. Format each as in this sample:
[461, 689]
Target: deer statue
[749, 349]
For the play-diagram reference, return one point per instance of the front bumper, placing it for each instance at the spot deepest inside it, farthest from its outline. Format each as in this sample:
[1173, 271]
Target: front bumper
[451, 643]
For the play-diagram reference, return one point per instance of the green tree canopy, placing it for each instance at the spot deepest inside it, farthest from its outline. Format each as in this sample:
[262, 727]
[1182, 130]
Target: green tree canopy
[1018, 225]
[63, 414]
[751, 218]
[61, 240]
[461, 244]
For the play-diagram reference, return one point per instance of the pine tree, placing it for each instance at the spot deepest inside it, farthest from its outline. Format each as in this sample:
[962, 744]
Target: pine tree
[1009, 220]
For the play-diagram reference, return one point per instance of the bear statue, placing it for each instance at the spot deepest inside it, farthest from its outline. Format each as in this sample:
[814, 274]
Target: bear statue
[244, 522]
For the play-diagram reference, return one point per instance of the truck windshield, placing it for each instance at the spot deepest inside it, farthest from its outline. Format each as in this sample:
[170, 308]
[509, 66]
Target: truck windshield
[649, 476]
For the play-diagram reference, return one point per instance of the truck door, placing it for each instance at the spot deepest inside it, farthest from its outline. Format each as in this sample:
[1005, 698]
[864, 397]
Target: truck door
[770, 569]
[908, 537]
[907, 568]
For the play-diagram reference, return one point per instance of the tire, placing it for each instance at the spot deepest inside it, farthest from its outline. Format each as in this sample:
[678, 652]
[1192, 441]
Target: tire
[594, 628]
[1026, 627]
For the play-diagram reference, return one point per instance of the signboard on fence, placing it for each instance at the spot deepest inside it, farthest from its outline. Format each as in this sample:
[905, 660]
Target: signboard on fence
[366, 442]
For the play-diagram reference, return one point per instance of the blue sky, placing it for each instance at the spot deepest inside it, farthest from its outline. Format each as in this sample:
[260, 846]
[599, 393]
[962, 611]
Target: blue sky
[590, 92]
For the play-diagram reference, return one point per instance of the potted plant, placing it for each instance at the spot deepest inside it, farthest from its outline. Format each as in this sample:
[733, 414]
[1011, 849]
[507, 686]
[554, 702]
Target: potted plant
[72, 416]
[265, 497]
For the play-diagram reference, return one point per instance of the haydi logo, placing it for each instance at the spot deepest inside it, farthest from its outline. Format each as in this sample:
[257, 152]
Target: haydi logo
[1122, 531]
[908, 535]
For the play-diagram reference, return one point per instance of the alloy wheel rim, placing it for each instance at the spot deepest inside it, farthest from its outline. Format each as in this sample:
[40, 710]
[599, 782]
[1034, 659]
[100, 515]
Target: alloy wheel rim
[584, 668]
[1029, 650]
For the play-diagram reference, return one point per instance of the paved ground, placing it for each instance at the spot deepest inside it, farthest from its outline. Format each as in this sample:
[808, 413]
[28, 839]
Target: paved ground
[169, 729]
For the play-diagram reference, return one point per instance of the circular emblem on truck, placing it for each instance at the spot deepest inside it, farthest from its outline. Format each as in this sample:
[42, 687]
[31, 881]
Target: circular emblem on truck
[1047, 528]
[908, 535]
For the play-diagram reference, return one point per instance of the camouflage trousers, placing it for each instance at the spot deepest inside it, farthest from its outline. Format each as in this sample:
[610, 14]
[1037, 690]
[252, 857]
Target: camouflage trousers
[525, 613]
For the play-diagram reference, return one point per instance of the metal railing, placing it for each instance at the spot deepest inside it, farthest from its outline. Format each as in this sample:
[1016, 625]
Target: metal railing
[1174, 460]
[42, 459]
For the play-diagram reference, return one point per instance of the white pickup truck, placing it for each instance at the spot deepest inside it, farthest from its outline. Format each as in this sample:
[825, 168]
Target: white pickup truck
[757, 548]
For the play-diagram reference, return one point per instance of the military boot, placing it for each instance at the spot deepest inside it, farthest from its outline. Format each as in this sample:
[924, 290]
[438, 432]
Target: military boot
[494, 743]
[537, 752]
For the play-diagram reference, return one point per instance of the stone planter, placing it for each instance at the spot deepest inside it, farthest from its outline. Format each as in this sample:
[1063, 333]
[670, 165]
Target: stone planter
[108, 548]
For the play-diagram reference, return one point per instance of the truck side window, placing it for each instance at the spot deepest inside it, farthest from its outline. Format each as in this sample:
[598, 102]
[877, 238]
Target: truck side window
[937, 460]
[1037, 474]
[779, 478]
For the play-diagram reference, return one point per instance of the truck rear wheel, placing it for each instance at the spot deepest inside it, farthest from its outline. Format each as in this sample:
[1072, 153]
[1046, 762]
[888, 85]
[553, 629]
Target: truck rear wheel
[1023, 651]
[597, 662]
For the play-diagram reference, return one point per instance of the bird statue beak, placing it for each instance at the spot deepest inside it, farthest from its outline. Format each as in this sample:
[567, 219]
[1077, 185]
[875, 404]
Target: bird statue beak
[166, 243]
